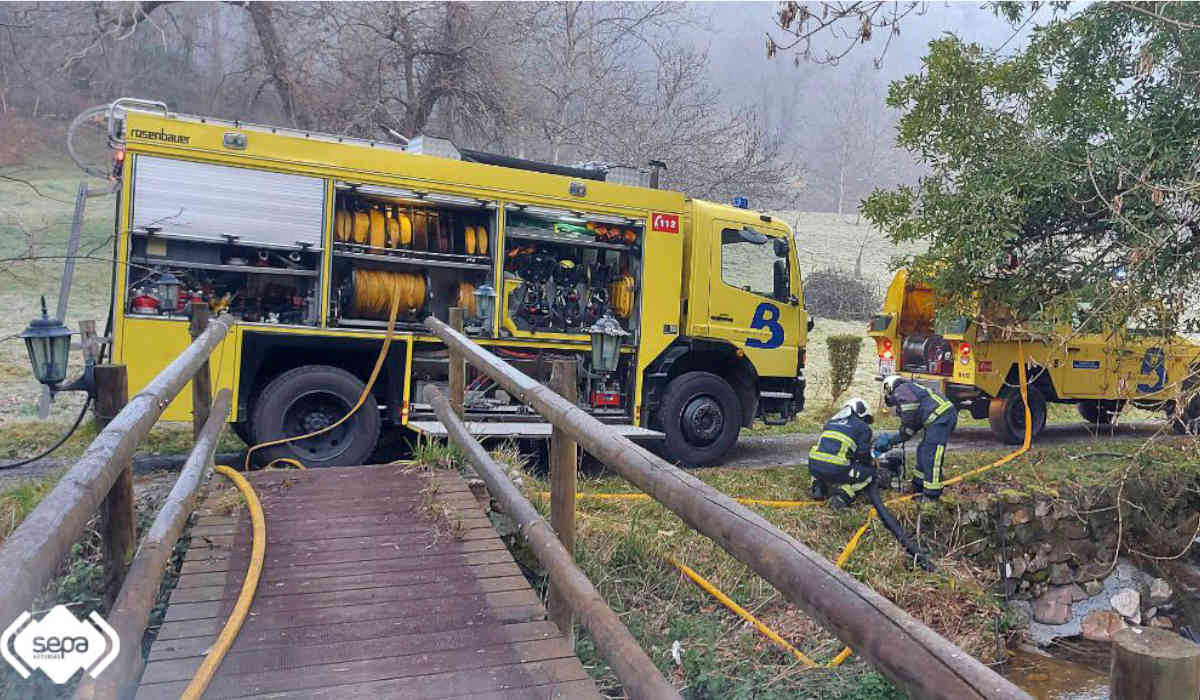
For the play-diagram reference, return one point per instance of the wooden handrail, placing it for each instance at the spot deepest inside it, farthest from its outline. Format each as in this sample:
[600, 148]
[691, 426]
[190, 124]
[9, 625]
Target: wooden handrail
[639, 676]
[33, 552]
[131, 613]
[911, 655]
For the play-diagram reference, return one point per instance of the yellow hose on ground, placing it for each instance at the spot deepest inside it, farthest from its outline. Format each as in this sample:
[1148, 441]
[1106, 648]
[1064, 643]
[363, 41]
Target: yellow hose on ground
[741, 612]
[383, 351]
[216, 653]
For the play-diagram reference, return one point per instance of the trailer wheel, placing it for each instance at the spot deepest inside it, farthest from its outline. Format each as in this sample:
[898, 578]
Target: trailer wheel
[308, 398]
[1007, 415]
[1101, 412]
[701, 417]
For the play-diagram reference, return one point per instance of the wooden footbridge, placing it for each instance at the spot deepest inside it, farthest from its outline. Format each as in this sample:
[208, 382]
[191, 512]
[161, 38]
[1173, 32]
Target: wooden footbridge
[379, 582]
[388, 582]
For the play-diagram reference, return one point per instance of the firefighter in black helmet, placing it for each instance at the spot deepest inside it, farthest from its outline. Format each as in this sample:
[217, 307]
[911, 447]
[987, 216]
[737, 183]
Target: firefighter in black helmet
[841, 461]
[920, 408]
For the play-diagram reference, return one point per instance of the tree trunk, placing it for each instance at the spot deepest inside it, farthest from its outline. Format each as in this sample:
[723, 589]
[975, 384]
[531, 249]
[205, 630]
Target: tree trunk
[276, 61]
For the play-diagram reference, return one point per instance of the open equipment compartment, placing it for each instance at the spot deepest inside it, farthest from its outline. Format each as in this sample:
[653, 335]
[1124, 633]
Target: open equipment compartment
[435, 248]
[564, 270]
[240, 239]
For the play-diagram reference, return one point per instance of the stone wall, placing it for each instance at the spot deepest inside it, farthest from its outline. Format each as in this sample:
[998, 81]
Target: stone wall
[1057, 554]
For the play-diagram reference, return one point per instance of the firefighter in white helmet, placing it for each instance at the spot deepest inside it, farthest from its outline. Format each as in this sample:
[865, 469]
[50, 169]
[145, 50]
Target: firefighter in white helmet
[840, 462]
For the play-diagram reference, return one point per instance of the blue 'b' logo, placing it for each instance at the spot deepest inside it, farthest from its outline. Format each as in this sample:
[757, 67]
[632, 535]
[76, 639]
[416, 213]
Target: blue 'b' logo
[766, 317]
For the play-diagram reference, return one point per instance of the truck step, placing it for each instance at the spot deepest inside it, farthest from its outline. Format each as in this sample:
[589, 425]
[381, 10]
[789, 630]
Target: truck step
[491, 429]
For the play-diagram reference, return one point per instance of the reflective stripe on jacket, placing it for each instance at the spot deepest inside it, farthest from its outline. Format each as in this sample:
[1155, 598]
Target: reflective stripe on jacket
[843, 441]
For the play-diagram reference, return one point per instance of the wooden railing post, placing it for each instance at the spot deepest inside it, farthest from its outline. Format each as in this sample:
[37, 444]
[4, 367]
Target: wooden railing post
[564, 464]
[118, 518]
[458, 367]
[112, 393]
[1154, 664]
[202, 382]
[32, 554]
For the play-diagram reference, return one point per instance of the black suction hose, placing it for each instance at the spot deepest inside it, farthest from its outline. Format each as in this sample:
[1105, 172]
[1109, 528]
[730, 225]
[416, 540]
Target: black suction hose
[889, 521]
[66, 436]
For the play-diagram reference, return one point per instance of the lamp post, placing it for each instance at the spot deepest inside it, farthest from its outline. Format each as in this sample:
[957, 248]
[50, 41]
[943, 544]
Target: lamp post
[485, 307]
[49, 344]
[607, 336]
[167, 287]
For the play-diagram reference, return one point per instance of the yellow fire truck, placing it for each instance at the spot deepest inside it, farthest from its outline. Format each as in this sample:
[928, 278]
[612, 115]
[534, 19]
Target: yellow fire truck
[1099, 371]
[302, 236]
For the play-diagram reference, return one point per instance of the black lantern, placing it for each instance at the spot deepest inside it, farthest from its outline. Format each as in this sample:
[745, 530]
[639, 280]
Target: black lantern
[606, 344]
[49, 344]
[168, 291]
[485, 306]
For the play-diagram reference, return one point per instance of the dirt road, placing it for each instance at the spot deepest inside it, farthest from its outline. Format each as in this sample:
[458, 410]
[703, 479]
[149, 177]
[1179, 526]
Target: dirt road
[764, 452]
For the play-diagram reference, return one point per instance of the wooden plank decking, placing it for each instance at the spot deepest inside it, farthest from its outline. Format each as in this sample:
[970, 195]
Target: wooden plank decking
[378, 583]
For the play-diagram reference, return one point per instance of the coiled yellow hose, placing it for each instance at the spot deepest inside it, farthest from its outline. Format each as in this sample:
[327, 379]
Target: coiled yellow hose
[373, 290]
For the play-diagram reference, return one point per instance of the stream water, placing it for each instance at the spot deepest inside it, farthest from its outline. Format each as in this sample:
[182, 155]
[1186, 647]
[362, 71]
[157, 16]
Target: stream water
[1049, 678]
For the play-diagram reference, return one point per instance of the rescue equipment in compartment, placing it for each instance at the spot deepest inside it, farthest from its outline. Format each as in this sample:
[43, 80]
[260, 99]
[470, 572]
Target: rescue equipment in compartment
[393, 228]
[469, 240]
[343, 224]
[362, 225]
[406, 230]
[466, 298]
[144, 304]
[566, 295]
[620, 294]
[378, 228]
[420, 230]
[371, 292]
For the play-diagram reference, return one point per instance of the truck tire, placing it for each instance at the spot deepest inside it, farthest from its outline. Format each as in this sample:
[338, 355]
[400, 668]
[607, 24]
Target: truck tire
[308, 398]
[1189, 423]
[701, 417]
[1101, 412]
[1006, 415]
[242, 430]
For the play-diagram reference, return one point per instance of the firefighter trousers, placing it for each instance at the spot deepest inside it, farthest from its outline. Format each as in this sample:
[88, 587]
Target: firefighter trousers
[850, 480]
[931, 454]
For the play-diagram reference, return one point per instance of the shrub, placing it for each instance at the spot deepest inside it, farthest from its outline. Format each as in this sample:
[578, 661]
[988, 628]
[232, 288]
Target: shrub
[843, 360]
[839, 295]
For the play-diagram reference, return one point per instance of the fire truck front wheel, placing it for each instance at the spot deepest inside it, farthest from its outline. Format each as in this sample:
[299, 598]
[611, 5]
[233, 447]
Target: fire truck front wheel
[1007, 415]
[306, 399]
[701, 417]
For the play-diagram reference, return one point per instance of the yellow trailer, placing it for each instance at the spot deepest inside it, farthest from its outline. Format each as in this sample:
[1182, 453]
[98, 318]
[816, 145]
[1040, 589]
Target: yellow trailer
[303, 236]
[974, 365]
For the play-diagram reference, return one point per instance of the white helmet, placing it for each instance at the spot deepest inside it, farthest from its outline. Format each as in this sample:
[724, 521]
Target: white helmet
[889, 387]
[860, 408]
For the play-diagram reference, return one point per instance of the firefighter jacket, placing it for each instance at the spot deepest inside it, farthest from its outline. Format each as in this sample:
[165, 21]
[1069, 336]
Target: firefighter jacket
[917, 407]
[845, 441]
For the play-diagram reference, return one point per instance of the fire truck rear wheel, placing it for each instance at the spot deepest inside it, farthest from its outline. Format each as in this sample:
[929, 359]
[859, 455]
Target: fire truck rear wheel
[1007, 415]
[306, 399]
[701, 417]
